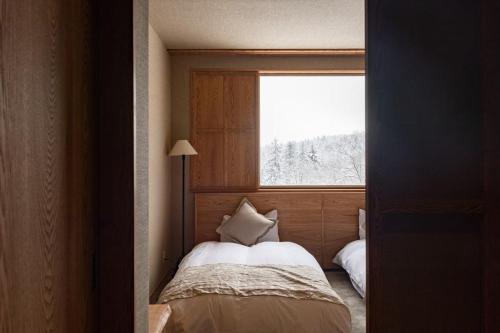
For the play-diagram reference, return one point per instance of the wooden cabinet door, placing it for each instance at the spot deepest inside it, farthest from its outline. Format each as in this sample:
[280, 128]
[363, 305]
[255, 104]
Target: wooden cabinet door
[224, 130]
[240, 100]
[207, 99]
[241, 159]
[208, 166]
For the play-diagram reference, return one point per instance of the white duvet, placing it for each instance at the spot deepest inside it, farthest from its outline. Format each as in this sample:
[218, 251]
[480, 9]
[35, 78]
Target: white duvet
[266, 253]
[217, 312]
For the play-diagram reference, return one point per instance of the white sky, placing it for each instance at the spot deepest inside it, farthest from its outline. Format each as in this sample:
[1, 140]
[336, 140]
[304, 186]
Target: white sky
[294, 108]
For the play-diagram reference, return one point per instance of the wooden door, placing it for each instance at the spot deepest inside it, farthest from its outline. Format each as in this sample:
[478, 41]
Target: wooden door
[424, 166]
[490, 56]
[224, 130]
[46, 162]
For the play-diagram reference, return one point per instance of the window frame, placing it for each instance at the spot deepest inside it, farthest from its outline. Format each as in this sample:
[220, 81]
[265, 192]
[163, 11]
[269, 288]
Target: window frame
[318, 72]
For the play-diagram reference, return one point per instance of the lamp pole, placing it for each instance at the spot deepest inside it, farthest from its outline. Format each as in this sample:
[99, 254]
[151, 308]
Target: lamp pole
[183, 148]
[183, 202]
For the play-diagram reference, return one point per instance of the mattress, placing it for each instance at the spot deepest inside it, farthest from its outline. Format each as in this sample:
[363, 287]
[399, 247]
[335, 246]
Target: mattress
[248, 308]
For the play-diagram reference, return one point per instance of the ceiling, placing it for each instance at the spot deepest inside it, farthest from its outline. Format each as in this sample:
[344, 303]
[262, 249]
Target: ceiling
[259, 24]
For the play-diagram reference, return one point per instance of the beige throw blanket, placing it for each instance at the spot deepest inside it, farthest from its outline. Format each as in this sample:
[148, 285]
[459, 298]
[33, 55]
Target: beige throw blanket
[297, 282]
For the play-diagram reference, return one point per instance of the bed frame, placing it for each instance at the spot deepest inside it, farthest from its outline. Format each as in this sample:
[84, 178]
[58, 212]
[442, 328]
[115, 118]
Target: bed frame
[322, 221]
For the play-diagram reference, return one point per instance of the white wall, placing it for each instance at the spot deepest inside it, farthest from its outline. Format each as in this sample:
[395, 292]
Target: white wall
[159, 163]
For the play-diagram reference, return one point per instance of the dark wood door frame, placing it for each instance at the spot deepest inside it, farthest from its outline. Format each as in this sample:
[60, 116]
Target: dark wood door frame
[122, 198]
[121, 221]
[443, 39]
[490, 56]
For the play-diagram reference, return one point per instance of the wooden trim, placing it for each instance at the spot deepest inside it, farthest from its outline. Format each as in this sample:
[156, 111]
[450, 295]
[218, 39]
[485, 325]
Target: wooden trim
[220, 71]
[311, 72]
[312, 187]
[257, 130]
[224, 189]
[269, 52]
[270, 71]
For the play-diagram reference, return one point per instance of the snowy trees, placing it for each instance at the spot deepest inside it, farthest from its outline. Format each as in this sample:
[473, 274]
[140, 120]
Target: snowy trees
[328, 160]
[290, 175]
[271, 174]
[352, 149]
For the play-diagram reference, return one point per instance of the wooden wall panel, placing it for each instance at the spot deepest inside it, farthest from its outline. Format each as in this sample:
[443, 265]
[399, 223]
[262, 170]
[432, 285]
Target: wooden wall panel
[241, 159]
[240, 100]
[208, 166]
[225, 102]
[207, 99]
[340, 216]
[46, 166]
[303, 218]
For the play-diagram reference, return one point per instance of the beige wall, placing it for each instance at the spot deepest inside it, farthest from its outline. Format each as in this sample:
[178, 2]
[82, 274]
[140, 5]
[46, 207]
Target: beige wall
[181, 66]
[160, 124]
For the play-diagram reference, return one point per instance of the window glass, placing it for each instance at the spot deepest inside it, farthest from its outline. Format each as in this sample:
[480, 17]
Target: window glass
[312, 130]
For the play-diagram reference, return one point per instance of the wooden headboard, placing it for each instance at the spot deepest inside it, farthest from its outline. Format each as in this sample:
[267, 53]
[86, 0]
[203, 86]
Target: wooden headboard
[321, 221]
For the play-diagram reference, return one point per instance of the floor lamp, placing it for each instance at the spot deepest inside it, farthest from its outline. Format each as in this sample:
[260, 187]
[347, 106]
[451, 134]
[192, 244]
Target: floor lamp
[183, 148]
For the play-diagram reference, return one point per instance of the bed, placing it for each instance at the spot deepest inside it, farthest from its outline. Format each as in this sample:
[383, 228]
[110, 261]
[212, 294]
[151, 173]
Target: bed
[268, 287]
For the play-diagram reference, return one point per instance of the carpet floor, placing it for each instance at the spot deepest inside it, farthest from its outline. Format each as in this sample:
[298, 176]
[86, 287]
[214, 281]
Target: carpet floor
[342, 285]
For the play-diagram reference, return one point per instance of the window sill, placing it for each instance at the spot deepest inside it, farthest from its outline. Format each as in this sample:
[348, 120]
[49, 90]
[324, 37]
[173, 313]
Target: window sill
[319, 188]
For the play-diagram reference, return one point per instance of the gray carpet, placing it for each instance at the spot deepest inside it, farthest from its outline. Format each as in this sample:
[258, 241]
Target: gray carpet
[342, 285]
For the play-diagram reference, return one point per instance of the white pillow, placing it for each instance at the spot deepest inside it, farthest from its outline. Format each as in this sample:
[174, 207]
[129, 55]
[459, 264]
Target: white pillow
[270, 236]
[362, 223]
[246, 226]
[352, 258]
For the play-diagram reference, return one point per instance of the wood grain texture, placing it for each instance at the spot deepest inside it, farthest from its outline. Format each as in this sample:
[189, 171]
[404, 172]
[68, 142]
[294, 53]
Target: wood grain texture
[302, 217]
[270, 52]
[224, 117]
[46, 164]
[240, 159]
[207, 100]
[340, 222]
[207, 168]
[424, 166]
[240, 100]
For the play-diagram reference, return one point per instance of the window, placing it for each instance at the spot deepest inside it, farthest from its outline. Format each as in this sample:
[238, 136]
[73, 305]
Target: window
[312, 130]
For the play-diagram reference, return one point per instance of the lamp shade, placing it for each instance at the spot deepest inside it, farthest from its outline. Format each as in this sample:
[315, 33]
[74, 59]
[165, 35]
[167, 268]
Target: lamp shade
[182, 147]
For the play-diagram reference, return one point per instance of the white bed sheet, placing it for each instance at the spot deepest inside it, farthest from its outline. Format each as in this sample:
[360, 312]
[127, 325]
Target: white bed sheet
[266, 253]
